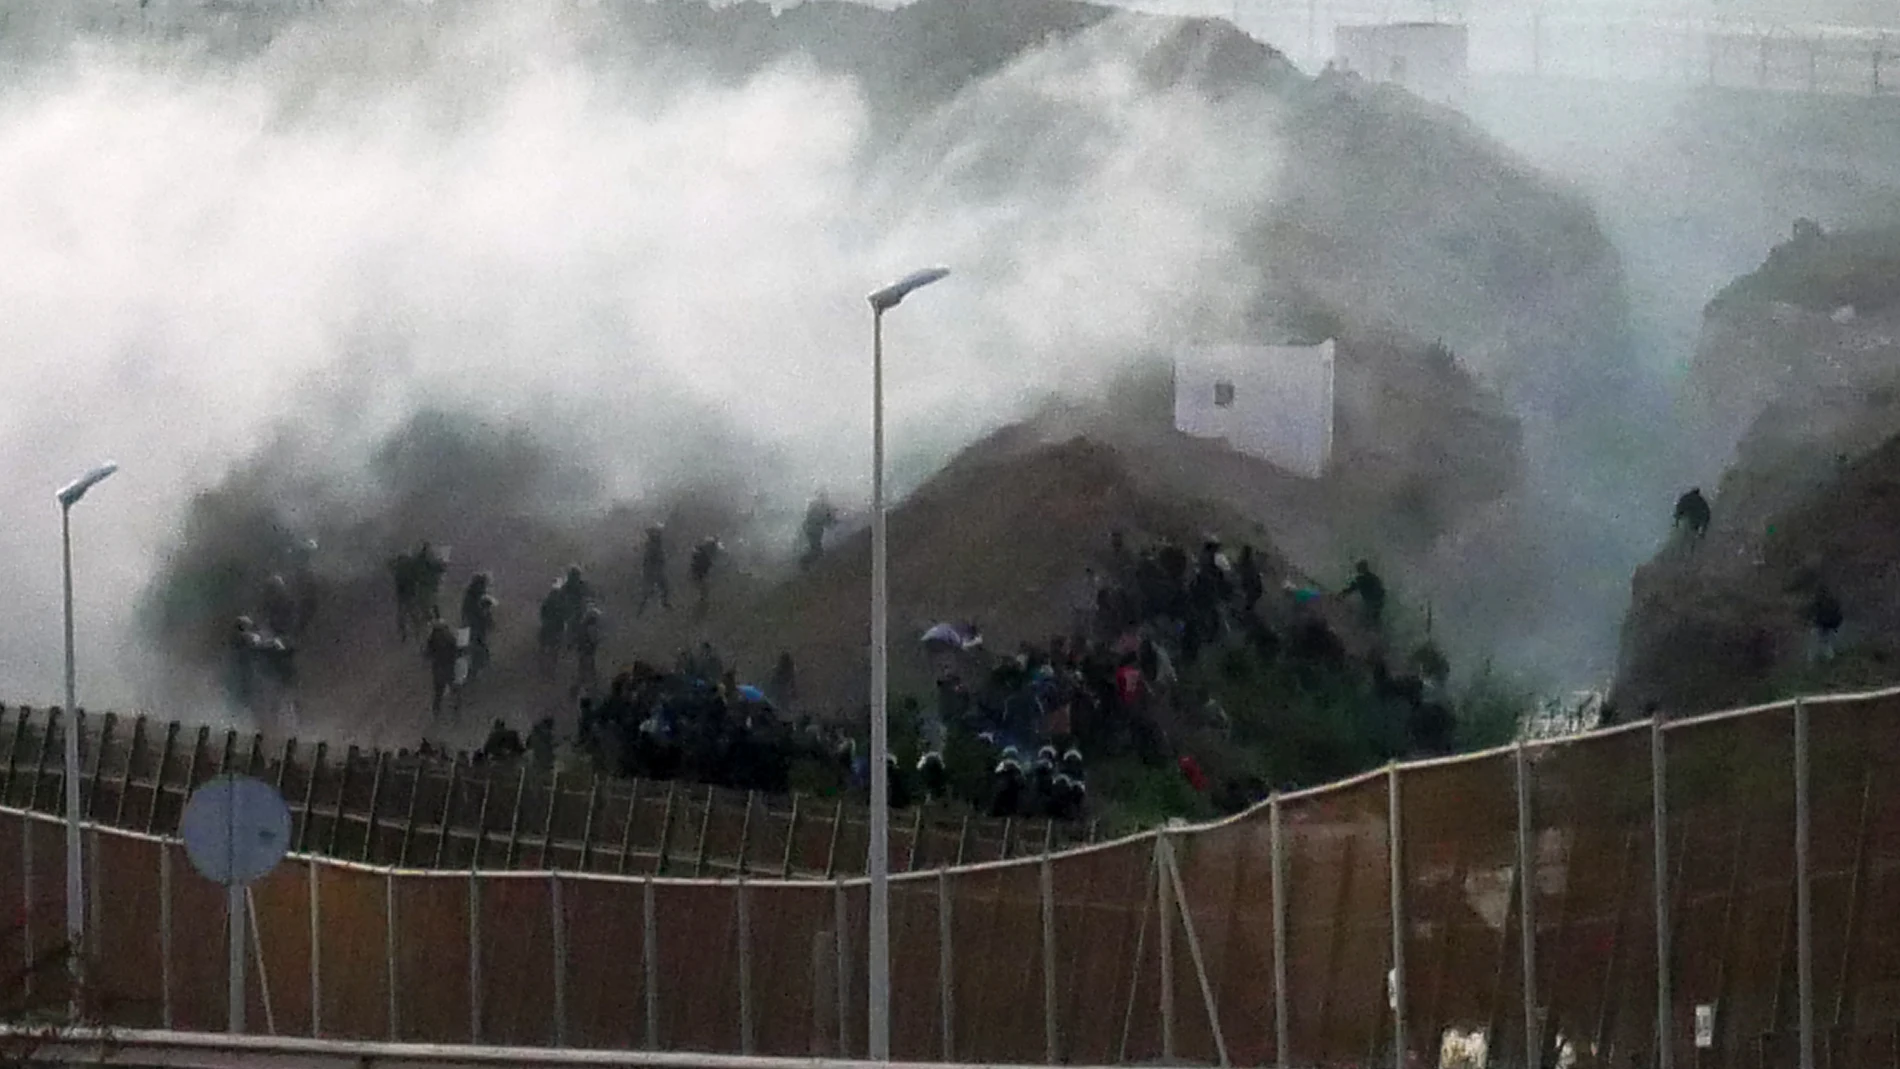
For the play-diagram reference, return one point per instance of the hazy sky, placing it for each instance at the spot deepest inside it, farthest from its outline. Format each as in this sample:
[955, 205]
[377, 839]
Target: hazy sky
[353, 222]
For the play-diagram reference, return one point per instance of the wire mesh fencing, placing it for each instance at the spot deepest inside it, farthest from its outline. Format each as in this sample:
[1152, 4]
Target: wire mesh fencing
[1710, 892]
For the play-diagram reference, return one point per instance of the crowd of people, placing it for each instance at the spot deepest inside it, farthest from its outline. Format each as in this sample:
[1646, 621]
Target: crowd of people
[1004, 731]
[1110, 685]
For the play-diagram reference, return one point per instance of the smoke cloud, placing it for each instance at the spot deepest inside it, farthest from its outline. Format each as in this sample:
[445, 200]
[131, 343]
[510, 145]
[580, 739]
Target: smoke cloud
[521, 215]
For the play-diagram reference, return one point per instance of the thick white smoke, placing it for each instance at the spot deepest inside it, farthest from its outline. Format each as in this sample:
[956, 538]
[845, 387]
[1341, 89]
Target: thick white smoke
[387, 210]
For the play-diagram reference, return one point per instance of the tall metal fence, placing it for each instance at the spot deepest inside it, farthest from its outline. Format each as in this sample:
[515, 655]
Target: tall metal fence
[420, 812]
[1708, 892]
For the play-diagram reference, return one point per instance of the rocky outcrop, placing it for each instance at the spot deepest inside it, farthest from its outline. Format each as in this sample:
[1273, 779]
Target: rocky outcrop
[1797, 382]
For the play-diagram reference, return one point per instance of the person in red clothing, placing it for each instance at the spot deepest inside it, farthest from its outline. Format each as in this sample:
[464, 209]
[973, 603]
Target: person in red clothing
[1128, 684]
[1195, 777]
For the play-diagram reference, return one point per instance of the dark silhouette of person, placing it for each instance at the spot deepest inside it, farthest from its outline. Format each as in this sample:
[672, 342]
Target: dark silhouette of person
[653, 570]
[1693, 513]
[441, 651]
[1371, 590]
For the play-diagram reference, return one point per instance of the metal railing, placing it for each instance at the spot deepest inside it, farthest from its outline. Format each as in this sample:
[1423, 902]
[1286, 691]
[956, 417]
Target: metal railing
[1702, 891]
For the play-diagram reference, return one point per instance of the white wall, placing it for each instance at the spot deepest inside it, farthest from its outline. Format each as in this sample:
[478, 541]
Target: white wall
[1282, 401]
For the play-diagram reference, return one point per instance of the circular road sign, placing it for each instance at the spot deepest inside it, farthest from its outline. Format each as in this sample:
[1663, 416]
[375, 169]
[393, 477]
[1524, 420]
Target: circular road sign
[236, 829]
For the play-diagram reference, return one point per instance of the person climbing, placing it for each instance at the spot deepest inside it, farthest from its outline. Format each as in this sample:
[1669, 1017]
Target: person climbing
[1692, 512]
[576, 596]
[587, 652]
[242, 673]
[784, 692]
[704, 554]
[653, 570]
[1826, 617]
[820, 518]
[478, 616]
[441, 650]
[553, 629]
[280, 607]
[306, 588]
[1253, 585]
[1371, 590]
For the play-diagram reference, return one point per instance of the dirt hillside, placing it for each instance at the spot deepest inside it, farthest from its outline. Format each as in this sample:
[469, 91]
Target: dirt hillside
[1802, 355]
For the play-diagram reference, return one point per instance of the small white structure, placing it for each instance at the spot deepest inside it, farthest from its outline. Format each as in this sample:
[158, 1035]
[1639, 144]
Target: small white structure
[1274, 402]
[1430, 59]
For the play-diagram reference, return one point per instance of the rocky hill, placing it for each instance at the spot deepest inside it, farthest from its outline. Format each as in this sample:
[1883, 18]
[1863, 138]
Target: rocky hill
[1800, 356]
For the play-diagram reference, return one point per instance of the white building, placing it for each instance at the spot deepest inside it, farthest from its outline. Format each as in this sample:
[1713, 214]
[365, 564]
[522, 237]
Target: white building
[1273, 402]
[1430, 59]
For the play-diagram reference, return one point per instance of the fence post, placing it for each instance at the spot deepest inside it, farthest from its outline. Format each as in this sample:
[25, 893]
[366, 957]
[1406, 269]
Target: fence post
[1395, 842]
[1173, 876]
[1804, 904]
[946, 966]
[234, 975]
[1164, 891]
[1527, 904]
[389, 945]
[27, 892]
[1049, 959]
[475, 950]
[744, 909]
[650, 960]
[316, 949]
[558, 918]
[165, 935]
[843, 978]
[1658, 777]
[1281, 1027]
[257, 953]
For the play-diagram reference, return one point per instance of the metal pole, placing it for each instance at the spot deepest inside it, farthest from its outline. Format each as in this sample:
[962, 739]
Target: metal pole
[1208, 1002]
[1281, 1027]
[946, 967]
[257, 952]
[1165, 908]
[165, 933]
[474, 951]
[75, 882]
[316, 950]
[744, 910]
[1396, 843]
[557, 915]
[1658, 777]
[1804, 904]
[1049, 1038]
[389, 943]
[28, 892]
[1527, 901]
[234, 927]
[650, 959]
[878, 976]
[843, 979]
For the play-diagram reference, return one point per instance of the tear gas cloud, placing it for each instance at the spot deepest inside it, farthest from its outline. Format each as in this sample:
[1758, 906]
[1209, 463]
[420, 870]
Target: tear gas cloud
[663, 273]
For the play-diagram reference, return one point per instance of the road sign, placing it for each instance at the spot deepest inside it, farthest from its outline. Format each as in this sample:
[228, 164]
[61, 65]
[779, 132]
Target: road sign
[236, 829]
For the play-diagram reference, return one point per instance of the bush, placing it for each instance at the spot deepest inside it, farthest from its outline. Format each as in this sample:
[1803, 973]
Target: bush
[1492, 708]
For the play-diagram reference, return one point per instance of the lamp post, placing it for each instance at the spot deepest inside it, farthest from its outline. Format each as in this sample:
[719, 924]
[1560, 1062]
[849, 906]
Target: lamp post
[878, 975]
[75, 889]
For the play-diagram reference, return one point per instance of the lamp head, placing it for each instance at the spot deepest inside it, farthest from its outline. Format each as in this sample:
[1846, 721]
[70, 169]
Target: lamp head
[70, 495]
[892, 295]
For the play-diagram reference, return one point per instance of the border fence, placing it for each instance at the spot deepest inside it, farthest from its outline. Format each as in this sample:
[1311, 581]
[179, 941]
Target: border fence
[1716, 891]
[420, 812]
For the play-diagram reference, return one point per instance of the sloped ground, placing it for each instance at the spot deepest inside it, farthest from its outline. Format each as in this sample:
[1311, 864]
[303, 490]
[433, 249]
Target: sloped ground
[1402, 225]
[1810, 490]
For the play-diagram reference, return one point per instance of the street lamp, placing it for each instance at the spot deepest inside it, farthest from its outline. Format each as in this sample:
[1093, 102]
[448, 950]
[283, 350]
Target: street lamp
[878, 977]
[75, 890]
